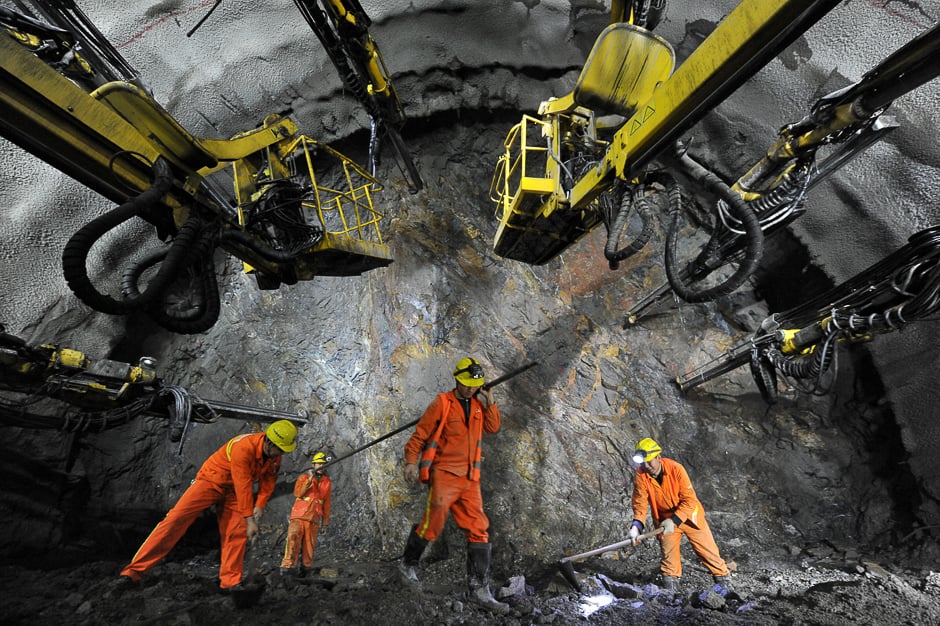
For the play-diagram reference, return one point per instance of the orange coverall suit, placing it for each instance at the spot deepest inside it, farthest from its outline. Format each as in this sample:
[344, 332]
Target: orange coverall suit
[676, 498]
[311, 509]
[455, 471]
[226, 480]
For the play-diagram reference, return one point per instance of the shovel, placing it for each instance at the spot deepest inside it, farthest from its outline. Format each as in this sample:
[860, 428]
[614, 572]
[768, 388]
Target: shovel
[567, 569]
[248, 593]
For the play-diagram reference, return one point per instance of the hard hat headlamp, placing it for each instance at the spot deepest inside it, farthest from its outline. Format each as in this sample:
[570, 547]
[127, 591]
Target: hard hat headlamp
[469, 372]
[646, 450]
[474, 371]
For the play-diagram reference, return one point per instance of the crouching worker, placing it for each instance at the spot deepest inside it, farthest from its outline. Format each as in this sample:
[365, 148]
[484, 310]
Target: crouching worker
[225, 480]
[447, 439]
[310, 515]
[662, 485]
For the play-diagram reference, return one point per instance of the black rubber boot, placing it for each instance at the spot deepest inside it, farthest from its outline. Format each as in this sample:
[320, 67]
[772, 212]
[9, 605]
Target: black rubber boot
[724, 581]
[671, 583]
[478, 569]
[414, 548]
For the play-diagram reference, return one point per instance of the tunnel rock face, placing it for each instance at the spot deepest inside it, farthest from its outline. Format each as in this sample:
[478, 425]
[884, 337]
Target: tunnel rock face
[365, 355]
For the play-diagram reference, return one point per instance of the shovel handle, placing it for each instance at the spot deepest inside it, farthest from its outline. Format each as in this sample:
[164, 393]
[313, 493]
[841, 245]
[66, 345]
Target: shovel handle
[613, 546]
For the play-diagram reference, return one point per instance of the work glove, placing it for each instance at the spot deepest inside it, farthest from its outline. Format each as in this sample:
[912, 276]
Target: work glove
[634, 534]
[669, 527]
[253, 530]
[411, 473]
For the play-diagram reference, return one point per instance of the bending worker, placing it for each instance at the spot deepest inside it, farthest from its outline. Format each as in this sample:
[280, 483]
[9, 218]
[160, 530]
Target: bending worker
[663, 486]
[310, 515]
[447, 440]
[225, 480]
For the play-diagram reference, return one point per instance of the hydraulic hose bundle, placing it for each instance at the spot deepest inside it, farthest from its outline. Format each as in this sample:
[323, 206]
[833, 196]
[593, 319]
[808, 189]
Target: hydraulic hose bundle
[711, 258]
[801, 343]
[189, 255]
[50, 387]
[628, 198]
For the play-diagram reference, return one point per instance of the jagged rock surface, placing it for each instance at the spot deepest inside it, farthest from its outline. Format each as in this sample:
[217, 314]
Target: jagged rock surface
[365, 355]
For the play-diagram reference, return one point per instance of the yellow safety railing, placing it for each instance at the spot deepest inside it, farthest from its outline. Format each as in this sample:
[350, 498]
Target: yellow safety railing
[343, 206]
[525, 151]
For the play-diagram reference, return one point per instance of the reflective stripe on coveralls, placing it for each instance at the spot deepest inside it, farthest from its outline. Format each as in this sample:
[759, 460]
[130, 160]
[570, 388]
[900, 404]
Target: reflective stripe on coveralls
[222, 480]
[460, 450]
[455, 475]
[429, 453]
[311, 509]
[676, 497]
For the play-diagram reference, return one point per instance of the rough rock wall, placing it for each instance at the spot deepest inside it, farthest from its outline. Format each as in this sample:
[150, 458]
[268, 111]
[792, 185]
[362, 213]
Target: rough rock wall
[366, 354]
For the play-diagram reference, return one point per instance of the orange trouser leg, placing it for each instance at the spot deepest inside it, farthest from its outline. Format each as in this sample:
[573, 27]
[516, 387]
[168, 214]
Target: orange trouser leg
[461, 496]
[705, 547]
[309, 544]
[234, 532]
[671, 563]
[297, 544]
[468, 514]
[197, 498]
[702, 543]
[295, 531]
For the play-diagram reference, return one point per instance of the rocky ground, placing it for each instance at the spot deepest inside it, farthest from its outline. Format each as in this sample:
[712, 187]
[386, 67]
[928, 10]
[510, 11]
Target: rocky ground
[819, 584]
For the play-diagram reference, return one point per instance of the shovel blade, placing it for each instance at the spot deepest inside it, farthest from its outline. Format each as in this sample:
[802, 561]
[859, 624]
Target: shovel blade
[248, 593]
[247, 597]
[567, 571]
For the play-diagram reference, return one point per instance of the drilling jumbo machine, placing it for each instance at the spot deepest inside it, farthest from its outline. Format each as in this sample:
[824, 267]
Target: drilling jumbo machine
[290, 207]
[602, 153]
[598, 153]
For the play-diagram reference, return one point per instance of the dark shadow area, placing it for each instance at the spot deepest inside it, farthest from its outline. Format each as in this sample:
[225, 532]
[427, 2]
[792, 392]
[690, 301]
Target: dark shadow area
[786, 276]
[785, 279]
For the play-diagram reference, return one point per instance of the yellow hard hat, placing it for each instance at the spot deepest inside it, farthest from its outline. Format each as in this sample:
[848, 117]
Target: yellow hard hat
[468, 372]
[283, 434]
[320, 457]
[646, 450]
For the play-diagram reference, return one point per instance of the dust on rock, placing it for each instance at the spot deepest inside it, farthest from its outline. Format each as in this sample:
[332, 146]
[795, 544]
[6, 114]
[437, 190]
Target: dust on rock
[800, 589]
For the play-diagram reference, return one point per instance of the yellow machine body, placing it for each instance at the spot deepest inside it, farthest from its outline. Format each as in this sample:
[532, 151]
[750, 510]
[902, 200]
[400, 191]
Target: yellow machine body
[108, 139]
[541, 207]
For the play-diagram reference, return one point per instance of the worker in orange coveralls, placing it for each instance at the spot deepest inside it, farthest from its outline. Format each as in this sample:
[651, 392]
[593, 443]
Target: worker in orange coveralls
[447, 442]
[225, 480]
[310, 514]
[664, 486]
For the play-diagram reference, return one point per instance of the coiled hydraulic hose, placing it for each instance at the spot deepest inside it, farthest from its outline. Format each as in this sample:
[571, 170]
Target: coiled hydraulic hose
[709, 259]
[75, 254]
[205, 293]
[628, 199]
[256, 245]
[811, 366]
[764, 374]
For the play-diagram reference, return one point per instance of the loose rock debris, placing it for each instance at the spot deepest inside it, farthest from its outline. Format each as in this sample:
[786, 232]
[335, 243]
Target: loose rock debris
[779, 591]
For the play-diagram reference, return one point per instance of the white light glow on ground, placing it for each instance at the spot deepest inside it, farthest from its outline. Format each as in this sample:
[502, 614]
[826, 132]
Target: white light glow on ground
[592, 603]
